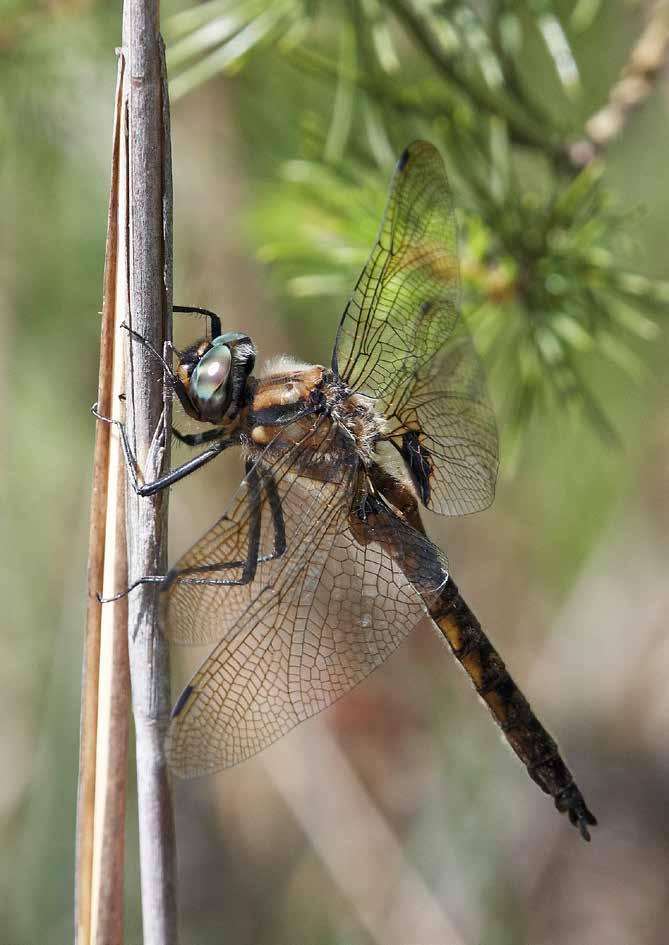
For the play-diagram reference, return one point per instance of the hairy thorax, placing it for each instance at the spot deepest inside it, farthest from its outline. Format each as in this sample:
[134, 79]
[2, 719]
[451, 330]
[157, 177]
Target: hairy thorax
[305, 404]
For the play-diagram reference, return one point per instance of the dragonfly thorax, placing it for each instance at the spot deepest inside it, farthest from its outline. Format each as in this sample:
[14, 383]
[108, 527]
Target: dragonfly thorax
[356, 416]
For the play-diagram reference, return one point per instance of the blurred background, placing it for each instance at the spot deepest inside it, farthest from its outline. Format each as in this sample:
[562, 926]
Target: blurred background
[398, 815]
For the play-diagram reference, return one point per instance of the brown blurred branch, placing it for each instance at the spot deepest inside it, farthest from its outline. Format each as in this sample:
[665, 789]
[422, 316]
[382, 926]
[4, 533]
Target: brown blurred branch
[148, 424]
[639, 77]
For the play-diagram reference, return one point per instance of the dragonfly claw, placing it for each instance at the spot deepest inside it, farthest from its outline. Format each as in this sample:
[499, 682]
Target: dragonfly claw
[98, 416]
[134, 334]
[149, 579]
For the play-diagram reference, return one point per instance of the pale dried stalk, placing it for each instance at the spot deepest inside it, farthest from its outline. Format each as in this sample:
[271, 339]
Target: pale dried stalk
[138, 292]
[148, 419]
[105, 683]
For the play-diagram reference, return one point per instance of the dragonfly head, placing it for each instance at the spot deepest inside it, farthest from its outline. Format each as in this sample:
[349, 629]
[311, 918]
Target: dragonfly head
[214, 375]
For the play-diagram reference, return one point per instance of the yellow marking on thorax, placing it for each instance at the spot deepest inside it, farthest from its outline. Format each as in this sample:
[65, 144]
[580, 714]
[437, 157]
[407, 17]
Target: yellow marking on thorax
[183, 376]
[262, 435]
[286, 389]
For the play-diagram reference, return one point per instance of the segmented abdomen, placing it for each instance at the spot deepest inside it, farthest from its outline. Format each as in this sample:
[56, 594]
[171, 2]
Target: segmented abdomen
[509, 707]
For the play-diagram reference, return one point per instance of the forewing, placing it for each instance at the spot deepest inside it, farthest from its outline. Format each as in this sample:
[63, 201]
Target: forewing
[405, 303]
[335, 611]
[396, 341]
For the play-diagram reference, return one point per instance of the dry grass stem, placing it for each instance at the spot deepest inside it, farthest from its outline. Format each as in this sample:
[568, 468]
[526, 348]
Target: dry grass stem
[105, 684]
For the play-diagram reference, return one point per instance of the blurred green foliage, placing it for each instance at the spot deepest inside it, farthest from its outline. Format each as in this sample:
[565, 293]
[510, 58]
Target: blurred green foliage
[545, 243]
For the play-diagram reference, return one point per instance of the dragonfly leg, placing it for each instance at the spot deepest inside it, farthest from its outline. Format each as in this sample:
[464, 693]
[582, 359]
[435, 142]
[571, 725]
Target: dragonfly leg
[175, 383]
[135, 335]
[256, 477]
[249, 565]
[214, 320]
[276, 510]
[197, 439]
[151, 488]
[149, 579]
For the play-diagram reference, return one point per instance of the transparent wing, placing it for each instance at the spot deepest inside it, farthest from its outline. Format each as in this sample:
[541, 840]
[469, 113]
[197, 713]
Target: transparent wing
[259, 527]
[351, 589]
[445, 430]
[397, 342]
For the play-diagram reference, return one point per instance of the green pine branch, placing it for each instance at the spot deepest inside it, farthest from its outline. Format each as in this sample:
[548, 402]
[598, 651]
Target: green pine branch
[543, 242]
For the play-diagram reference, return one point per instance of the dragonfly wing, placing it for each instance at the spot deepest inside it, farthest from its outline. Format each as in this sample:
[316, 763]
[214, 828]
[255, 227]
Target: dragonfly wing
[400, 341]
[339, 605]
[215, 582]
[446, 432]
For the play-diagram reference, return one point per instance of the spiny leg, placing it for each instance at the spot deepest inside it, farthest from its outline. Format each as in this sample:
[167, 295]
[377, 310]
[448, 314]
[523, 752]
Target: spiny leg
[195, 463]
[175, 382]
[214, 320]
[215, 328]
[276, 510]
[197, 439]
[248, 565]
[150, 488]
[252, 558]
[256, 477]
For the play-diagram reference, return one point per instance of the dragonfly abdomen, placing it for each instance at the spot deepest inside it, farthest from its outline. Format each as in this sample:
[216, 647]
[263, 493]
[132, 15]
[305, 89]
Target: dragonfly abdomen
[508, 706]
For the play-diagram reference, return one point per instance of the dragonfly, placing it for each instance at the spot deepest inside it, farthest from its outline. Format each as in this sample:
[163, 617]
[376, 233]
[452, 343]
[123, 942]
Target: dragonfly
[320, 565]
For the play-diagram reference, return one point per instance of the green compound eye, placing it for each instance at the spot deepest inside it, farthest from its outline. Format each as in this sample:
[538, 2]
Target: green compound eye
[210, 377]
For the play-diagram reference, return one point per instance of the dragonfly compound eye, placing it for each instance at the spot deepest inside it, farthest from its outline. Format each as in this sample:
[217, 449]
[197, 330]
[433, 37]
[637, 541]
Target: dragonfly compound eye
[209, 383]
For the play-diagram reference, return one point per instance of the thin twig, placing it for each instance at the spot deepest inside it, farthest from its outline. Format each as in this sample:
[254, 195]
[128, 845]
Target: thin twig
[148, 419]
[105, 682]
[647, 62]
